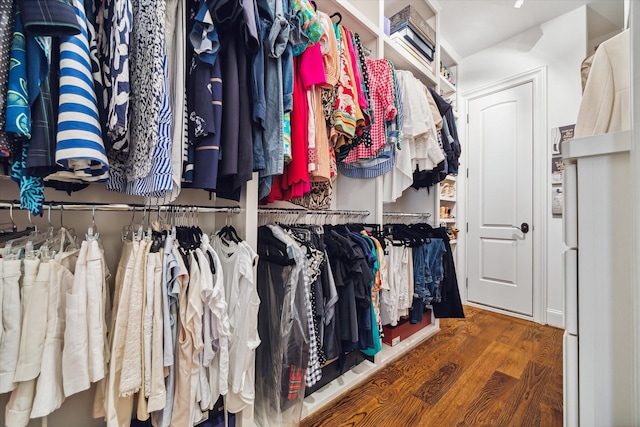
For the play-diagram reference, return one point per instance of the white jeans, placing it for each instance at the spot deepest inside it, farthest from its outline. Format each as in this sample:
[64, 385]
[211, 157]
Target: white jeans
[34, 325]
[11, 319]
[49, 392]
[35, 293]
[83, 355]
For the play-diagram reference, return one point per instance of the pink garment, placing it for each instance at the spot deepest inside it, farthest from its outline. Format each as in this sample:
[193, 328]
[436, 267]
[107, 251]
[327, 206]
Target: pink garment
[311, 67]
[357, 73]
[295, 180]
[312, 75]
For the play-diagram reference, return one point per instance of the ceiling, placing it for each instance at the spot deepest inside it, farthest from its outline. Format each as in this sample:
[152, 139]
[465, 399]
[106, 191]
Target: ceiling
[470, 26]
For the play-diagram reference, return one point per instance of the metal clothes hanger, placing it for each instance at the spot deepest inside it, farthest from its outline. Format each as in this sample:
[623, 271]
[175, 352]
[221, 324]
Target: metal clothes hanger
[92, 231]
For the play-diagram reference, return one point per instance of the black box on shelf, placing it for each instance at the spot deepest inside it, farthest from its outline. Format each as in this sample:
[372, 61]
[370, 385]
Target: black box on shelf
[408, 33]
[412, 51]
[410, 15]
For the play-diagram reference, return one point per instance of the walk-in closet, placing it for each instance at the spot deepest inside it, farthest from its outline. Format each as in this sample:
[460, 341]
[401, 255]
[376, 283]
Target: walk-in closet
[293, 212]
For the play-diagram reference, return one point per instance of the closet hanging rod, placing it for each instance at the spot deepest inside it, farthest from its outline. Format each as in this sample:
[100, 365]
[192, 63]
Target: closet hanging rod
[407, 214]
[338, 212]
[122, 207]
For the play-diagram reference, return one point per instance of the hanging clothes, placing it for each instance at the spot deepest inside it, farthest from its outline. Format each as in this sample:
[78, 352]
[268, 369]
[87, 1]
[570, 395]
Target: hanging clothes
[176, 40]
[83, 354]
[294, 182]
[117, 408]
[446, 111]
[235, 22]
[11, 326]
[17, 106]
[7, 15]
[450, 305]
[216, 326]
[381, 90]
[283, 358]
[79, 145]
[49, 393]
[34, 324]
[237, 260]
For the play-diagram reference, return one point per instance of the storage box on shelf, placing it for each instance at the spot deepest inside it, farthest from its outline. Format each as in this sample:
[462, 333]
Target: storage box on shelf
[411, 40]
[394, 335]
[408, 27]
[420, 20]
[410, 16]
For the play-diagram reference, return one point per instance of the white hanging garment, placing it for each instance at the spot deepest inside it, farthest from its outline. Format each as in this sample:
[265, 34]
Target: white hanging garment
[11, 322]
[237, 260]
[49, 389]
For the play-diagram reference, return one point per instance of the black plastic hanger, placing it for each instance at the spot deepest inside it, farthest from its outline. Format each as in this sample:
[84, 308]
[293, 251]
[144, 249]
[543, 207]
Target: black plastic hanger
[229, 234]
[5, 237]
[339, 15]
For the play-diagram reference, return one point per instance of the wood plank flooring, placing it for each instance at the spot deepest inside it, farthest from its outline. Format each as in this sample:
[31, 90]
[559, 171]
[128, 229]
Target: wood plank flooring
[485, 370]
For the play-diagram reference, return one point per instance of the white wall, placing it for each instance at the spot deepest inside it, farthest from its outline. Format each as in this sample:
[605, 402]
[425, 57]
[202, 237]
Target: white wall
[560, 45]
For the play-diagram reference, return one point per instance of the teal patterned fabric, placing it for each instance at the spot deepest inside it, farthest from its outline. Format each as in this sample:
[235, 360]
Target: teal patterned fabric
[31, 187]
[18, 122]
[18, 119]
[305, 20]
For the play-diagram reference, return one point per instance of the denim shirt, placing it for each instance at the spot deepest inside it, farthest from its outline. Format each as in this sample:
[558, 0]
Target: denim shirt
[275, 28]
[258, 96]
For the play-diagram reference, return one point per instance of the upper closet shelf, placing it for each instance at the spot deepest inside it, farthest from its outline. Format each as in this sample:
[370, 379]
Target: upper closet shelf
[426, 8]
[446, 86]
[404, 59]
[352, 18]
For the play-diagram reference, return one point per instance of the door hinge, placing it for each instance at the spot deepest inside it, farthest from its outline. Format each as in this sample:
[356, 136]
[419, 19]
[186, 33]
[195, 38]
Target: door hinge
[467, 172]
[467, 118]
[466, 283]
[467, 227]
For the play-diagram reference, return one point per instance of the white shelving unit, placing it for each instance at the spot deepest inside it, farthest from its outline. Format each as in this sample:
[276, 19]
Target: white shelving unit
[447, 203]
[366, 17]
[447, 189]
[364, 370]
[446, 85]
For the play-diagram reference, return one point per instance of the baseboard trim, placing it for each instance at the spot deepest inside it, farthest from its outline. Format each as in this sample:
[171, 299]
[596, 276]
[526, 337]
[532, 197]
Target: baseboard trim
[555, 318]
[500, 311]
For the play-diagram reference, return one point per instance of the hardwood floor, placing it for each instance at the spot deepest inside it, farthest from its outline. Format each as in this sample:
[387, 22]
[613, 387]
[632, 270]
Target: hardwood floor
[485, 370]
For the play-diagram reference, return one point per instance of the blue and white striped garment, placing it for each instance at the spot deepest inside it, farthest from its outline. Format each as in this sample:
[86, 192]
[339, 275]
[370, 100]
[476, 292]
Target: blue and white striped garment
[79, 146]
[159, 182]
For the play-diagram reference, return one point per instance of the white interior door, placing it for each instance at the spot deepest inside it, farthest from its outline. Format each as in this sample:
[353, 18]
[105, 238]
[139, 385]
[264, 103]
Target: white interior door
[500, 201]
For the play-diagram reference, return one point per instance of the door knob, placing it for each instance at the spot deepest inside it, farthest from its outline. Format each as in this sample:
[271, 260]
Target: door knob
[524, 227]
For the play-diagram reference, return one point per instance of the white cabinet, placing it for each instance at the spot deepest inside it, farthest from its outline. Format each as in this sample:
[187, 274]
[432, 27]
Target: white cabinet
[599, 361]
